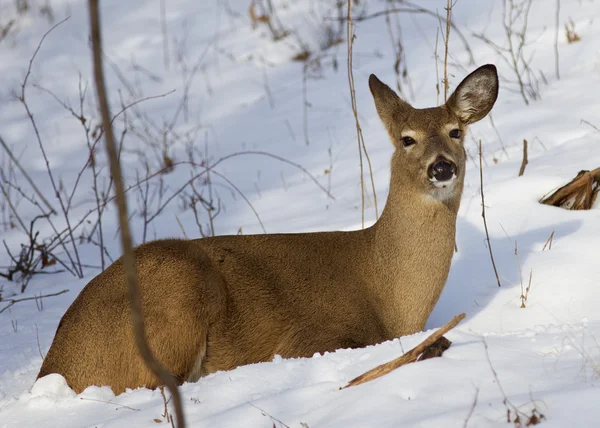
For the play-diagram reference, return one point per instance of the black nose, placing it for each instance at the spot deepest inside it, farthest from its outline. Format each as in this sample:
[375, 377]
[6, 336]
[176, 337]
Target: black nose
[442, 170]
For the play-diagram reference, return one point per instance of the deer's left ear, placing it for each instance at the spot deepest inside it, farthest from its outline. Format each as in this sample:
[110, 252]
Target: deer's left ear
[475, 96]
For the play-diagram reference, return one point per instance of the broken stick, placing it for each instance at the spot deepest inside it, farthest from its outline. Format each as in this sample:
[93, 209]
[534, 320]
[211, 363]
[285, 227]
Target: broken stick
[410, 357]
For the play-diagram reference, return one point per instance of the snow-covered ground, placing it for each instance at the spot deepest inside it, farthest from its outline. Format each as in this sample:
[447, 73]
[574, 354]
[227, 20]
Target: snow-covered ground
[245, 94]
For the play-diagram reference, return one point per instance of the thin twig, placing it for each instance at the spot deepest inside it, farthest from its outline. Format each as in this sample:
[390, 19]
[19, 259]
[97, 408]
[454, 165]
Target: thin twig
[27, 177]
[410, 357]
[283, 424]
[350, 39]
[11, 302]
[126, 240]
[361, 141]
[590, 124]
[525, 296]
[525, 160]
[437, 71]
[446, 43]
[8, 199]
[491, 118]
[549, 241]
[123, 406]
[472, 408]
[413, 8]
[520, 418]
[557, 21]
[22, 98]
[37, 338]
[520, 274]
[487, 235]
[163, 29]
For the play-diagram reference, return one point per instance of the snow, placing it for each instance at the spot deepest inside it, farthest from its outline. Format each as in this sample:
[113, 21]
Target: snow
[247, 95]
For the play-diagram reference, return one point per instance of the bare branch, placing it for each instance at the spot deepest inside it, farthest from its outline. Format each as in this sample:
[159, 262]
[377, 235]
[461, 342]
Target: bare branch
[410, 357]
[12, 302]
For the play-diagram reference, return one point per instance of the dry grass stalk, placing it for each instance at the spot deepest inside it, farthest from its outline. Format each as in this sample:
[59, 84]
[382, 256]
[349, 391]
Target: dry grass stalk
[487, 234]
[27, 177]
[579, 194]
[361, 141]
[525, 295]
[590, 124]
[525, 160]
[11, 302]
[514, 414]
[410, 357]
[446, 42]
[557, 26]
[414, 8]
[472, 408]
[76, 263]
[572, 36]
[128, 257]
[163, 30]
[549, 241]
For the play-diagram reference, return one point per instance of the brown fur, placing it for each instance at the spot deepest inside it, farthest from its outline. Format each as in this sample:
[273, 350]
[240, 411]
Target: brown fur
[217, 303]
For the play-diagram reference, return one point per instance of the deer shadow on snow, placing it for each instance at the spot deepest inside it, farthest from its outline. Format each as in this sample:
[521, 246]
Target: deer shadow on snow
[472, 284]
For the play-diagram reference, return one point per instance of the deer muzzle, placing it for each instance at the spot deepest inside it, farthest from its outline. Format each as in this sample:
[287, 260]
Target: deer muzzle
[442, 171]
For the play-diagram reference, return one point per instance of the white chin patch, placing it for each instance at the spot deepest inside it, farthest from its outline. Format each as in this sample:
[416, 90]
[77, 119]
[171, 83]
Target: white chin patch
[443, 190]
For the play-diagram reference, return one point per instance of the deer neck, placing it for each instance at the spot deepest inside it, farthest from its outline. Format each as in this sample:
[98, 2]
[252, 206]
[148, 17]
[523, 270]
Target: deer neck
[413, 244]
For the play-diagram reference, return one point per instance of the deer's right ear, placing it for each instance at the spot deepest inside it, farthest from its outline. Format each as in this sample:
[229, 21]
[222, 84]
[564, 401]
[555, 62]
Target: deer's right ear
[386, 100]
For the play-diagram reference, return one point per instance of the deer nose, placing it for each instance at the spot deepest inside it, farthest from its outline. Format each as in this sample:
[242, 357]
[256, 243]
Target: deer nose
[442, 170]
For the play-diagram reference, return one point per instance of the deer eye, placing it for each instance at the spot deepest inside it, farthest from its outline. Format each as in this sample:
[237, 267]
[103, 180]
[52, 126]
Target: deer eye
[408, 141]
[455, 133]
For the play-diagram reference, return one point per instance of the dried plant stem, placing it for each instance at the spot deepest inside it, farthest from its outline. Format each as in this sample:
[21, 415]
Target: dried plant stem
[525, 160]
[128, 256]
[525, 296]
[8, 200]
[549, 241]
[491, 117]
[487, 234]
[514, 415]
[557, 22]
[520, 275]
[77, 267]
[446, 43]
[414, 8]
[11, 302]
[163, 29]
[437, 71]
[472, 408]
[590, 124]
[361, 141]
[273, 418]
[410, 357]
[37, 339]
[27, 177]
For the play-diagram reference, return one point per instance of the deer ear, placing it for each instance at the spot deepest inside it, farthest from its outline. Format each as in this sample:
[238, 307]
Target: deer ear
[386, 101]
[476, 95]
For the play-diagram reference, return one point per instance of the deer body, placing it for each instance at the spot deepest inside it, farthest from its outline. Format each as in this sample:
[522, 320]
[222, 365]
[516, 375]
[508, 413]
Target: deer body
[218, 303]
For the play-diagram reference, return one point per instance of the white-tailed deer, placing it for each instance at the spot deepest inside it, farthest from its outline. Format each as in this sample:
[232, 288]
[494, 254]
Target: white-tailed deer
[217, 303]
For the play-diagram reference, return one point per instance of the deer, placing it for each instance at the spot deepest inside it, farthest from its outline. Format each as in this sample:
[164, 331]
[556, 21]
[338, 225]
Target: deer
[216, 303]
